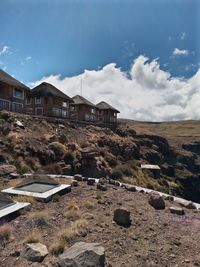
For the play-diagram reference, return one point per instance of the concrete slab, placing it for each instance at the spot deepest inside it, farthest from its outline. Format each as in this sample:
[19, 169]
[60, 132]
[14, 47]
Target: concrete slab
[45, 196]
[150, 167]
[16, 206]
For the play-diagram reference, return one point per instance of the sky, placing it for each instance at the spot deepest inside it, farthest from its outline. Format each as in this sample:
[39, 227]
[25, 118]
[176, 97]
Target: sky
[141, 56]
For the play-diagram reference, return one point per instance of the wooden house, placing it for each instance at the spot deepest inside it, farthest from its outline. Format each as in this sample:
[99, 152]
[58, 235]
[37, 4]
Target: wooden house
[106, 113]
[83, 110]
[47, 100]
[12, 93]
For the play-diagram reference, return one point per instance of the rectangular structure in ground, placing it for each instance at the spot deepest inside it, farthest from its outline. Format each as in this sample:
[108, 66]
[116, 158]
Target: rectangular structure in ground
[37, 190]
[8, 209]
[154, 169]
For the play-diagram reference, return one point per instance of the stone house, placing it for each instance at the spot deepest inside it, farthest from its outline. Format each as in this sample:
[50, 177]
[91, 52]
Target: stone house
[106, 113]
[48, 101]
[12, 93]
[83, 110]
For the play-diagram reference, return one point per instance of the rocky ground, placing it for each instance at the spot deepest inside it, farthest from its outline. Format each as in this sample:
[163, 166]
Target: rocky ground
[154, 237]
[33, 145]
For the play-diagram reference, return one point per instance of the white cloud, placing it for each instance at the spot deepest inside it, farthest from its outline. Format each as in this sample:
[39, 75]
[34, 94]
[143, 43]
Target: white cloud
[28, 58]
[179, 52]
[183, 35]
[4, 50]
[144, 93]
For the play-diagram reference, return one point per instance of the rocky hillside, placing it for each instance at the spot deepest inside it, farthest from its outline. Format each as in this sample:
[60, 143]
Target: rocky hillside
[30, 144]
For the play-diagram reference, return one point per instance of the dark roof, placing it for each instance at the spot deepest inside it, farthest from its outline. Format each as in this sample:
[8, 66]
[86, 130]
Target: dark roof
[8, 79]
[80, 100]
[5, 198]
[37, 179]
[103, 105]
[47, 89]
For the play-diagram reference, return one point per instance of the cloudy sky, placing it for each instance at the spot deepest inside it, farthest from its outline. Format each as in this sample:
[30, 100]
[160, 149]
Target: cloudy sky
[142, 56]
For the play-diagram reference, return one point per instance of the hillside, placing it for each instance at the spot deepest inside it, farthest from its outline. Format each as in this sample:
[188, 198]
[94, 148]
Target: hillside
[41, 146]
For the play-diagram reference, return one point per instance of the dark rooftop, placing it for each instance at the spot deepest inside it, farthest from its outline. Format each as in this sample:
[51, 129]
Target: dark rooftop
[8, 79]
[80, 100]
[47, 89]
[103, 105]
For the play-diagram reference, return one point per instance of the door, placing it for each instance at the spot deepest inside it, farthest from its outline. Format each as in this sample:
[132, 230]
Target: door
[39, 111]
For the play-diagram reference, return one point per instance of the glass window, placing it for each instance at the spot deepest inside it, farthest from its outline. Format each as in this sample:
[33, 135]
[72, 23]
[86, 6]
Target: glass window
[65, 105]
[38, 100]
[18, 93]
[92, 110]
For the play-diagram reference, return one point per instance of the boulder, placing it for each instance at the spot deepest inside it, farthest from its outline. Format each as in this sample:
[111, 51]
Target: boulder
[187, 204]
[74, 183]
[101, 187]
[122, 217]
[78, 177]
[91, 181]
[35, 252]
[177, 210]
[169, 198]
[19, 124]
[83, 254]
[131, 188]
[7, 169]
[157, 201]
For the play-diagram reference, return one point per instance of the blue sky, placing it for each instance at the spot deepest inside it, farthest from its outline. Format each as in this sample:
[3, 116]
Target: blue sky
[43, 37]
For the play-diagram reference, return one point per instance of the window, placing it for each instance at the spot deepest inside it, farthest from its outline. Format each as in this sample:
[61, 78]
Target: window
[65, 105]
[17, 93]
[38, 100]
[92, 110]
[64, 114]
[17, 107]
[28, 100]
[56, 112]
[73, 108]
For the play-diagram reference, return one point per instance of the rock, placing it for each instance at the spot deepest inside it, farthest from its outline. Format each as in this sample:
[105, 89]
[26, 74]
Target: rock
[156, 201]
[103, 180]
[91, 181]
[187, 204]
[78, 177]
[169, 198]
[131, 188]
[62, 139]
[13, 175]
[122, 217]
[2, 159]
[177, 210]
[101, 187]
[7, 169]
[83, 254]
[74, 183]
[19, 124]
[67, 170]
[35, 252]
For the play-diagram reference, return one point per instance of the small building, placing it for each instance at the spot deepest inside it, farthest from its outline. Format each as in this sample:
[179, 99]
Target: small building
[106, 113]
[83, 110]
[47, 100]
[12, 93]
[154, 169]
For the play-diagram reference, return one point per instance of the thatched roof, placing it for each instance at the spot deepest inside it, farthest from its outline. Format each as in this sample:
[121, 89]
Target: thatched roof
[47, 89]
[104, 106]
[8, 79]
[37, 179]
[80, 100]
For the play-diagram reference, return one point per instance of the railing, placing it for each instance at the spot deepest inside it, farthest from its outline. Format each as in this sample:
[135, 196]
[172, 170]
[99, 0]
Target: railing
[4, 104]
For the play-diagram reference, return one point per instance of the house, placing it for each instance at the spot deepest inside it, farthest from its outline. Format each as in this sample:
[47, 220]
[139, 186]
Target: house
[12, 93]
[47, 100]
[106, 113]
[83, 110]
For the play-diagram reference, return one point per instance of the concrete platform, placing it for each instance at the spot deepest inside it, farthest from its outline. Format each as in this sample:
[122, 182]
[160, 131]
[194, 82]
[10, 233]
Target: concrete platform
[16, 206]
[43, 196]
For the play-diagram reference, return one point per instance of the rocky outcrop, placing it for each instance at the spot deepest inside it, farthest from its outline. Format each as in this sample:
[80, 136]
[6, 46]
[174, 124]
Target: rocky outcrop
[7, 169]
[83, 254]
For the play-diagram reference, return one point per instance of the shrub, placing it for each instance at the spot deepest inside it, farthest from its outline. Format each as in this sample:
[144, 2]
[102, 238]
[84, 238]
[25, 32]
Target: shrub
[67, 234]
[56, 198]
[69, 156]
[5, 233]
[111, 160]
[25, 199]
[58, 148]
[89, 204]
[39, 217]
[115, 175]
[57, 247]
[73, 212]
[33, 237]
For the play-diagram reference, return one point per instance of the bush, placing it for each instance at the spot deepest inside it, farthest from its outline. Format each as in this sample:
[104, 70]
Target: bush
[33, 237]
[5, 233]
[111, 161]
[39, 217]
[73, 212]
[57, 247]
[115, 175]
[69, 156]
[89, 204]
[58, 149]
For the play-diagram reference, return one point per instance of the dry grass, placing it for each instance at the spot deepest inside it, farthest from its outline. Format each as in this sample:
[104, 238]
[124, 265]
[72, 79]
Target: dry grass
[57, 247]
[33, 237]
[25, 199]
[5, 233]
[73, 212]
[15, 182]
[89, 204]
